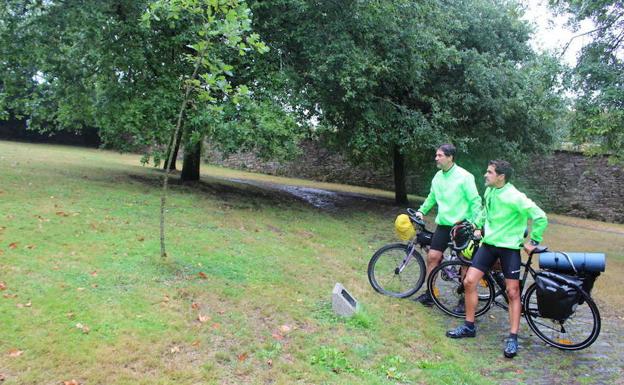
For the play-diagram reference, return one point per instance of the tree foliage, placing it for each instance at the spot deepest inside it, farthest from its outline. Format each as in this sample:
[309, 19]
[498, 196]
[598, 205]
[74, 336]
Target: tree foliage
[123, 66]
[400, 77]
[598, 116]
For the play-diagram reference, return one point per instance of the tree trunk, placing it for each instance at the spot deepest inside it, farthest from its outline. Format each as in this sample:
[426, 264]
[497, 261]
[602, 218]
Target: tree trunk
[175, 152]
[192, 160]
[400, 190]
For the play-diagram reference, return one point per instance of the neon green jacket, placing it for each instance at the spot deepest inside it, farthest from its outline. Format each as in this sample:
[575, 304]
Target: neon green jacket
[456, 194]
[505, 215]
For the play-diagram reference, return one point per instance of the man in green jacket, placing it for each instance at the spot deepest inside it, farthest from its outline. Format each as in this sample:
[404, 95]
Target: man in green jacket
[505, 215]
[454, 191]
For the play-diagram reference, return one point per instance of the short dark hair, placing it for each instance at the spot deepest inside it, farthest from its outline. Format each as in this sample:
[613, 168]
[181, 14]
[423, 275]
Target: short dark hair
[448, 149]
[502, 167]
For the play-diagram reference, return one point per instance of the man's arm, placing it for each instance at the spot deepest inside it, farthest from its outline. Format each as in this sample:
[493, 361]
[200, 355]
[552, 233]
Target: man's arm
[474, 199]
[480, 216]
[537, 216]
[429, 202]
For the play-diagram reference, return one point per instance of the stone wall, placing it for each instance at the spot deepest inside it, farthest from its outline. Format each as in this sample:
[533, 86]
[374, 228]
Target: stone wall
[573, 184]
[564, 182]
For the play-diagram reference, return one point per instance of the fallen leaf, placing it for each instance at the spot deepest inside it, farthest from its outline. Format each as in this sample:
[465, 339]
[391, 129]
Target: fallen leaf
[13, 245]
[28, 304]
[1, 252]
[30, 247]
[175, 349]
[166, 299]
[93, 226]
[94, 273]
[62, 214]
[15, 352]
[80, 288]
[221, 312]
[3, 286]
[270, 363]
[195, 343]
[203, 318]
[278, 337]
[7, 295]
[95, 285]
[242, 357]
[141, 239]
[202, 275]
[195, 306]
[84, 328]
[71, 382]
[70, 315]
[285, 329]
[216, 325]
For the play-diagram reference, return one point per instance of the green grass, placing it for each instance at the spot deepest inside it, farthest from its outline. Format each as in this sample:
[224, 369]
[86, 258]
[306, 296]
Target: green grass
[79, 244]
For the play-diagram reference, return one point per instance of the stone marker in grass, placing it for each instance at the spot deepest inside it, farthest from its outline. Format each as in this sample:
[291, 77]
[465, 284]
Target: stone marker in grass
[343, 303]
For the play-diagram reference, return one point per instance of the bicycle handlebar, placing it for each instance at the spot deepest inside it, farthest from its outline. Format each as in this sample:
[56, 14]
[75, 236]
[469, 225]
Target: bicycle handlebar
[414, 218]
[538, 250]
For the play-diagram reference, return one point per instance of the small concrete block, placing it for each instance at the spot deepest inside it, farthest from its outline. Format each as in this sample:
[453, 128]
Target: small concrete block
[343, 303]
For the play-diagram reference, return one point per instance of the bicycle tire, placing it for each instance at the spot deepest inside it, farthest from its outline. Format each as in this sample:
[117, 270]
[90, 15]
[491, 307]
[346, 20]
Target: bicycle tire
[384, 276]
[445, 285]
[571, 334]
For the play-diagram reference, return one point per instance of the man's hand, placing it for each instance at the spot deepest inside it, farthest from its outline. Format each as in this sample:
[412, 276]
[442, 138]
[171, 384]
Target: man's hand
[420, 216]
[477, 234]
[528, 247]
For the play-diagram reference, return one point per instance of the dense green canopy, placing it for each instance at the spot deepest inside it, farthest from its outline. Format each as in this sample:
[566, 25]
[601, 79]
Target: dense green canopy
[598, 116]
[122, 66]
[391, 80]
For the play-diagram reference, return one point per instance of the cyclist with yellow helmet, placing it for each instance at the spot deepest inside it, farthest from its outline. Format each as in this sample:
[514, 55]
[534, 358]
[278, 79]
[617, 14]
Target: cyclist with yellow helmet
[454, 191]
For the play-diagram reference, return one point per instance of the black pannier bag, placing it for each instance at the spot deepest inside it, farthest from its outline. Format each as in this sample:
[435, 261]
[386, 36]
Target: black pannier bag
[557, 294]
[588, 278]
[423, 238]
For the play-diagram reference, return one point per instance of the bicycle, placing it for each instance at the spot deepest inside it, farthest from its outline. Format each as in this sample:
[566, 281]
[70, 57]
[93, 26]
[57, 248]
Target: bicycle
[398, 269]
[575, 331]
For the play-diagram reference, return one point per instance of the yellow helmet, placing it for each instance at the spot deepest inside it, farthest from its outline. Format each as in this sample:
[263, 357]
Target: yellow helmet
[469, 250]
[404, 228]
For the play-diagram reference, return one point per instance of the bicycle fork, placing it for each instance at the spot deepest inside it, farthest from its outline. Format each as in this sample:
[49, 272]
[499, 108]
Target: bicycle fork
[408, 256]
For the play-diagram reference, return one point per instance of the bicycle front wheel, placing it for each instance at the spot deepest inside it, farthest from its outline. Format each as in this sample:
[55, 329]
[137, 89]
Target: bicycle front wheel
[575, 333]
[445, 283]
[391, 271]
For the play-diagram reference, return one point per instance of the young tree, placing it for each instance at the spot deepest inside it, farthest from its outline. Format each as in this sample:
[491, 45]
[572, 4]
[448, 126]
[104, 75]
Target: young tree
[138, 69]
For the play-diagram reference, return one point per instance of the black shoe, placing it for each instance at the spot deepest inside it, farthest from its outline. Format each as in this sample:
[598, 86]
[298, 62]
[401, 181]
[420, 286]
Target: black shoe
[460, 308]
[424, 299]
[462, 331]
[511, 347]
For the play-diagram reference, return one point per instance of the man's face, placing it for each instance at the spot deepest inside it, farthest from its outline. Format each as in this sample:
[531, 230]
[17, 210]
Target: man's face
[443, 162]
[492, 178]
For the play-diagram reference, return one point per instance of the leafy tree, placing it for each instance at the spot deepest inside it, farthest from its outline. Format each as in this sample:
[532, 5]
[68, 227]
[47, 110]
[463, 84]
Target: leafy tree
[598, 116]
[67, 65]
[391, 80]
[137, 70]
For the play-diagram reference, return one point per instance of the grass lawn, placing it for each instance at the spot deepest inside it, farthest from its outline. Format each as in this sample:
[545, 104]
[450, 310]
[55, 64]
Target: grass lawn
[244, 297]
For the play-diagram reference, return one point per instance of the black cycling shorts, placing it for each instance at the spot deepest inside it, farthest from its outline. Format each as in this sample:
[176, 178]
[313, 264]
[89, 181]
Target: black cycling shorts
[441, 238]
[487, 255]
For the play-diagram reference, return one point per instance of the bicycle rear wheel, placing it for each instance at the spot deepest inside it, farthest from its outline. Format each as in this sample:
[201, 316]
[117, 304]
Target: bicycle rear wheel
[392, 273]
[447, 290]
[575, 333]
